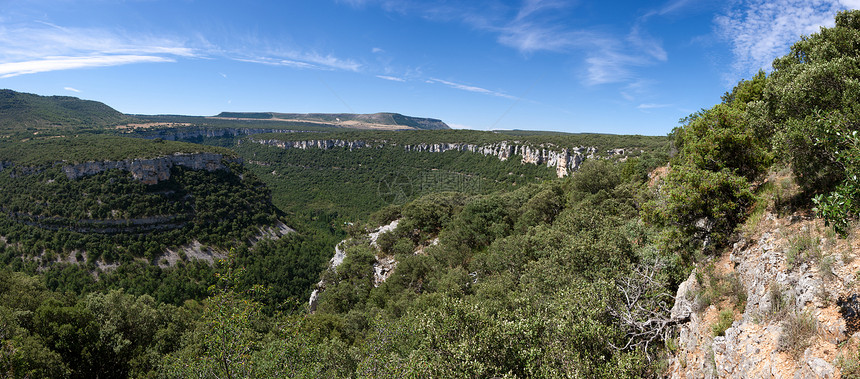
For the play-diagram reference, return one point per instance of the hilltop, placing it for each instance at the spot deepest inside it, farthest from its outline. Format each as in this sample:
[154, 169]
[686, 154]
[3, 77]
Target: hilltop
[25, 111]
[384, 121]
[21, 111]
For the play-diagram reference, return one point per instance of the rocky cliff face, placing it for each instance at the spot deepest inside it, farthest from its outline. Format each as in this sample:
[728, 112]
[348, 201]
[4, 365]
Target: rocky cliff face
[148, 171]
[151, 171]
[564, 160]
[789, 268]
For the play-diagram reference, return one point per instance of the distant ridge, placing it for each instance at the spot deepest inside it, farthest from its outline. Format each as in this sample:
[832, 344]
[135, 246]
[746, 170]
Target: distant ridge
[20, 111]
[383, 120]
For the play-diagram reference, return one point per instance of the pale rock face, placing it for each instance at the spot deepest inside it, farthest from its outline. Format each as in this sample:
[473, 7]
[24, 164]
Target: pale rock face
[382, 267]
[565, 161]
[151, 171]
[749, 348]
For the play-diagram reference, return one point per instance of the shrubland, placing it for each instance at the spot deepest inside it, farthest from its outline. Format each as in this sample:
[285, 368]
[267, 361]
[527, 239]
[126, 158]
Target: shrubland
[568, 277]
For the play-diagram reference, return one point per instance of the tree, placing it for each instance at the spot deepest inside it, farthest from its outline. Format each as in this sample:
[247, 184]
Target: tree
[814, 99]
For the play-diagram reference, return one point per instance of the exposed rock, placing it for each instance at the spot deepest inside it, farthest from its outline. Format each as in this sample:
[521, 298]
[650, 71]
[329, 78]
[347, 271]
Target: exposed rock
[683, 307]
[821, 368]
[564, 160]
[749, 348]
[382, 267]
[336, 260]
[383, 229]
[151, 171]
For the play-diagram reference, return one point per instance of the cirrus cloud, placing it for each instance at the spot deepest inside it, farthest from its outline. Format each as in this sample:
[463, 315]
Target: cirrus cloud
[761, 30]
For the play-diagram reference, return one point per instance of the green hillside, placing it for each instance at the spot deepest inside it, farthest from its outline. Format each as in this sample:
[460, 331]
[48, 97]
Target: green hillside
[28, 112]
[38, 151]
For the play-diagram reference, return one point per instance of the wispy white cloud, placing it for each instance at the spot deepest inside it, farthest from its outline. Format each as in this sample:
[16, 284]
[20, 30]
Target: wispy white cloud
[761, 30]
[652, 106]
[41, 47]
[302, 60]
[529, 37]
[469, 88]
[27, 48]
[72, 89]
[278, 62]
[647, 44]
[65, 63]
[377, 50]
[391, 78]
[530, 7]
[535, 26]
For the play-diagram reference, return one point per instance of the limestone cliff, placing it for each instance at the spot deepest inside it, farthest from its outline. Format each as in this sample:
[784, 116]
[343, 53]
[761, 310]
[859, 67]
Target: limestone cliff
[148, 171]
[564, 160]
[151, 171]
[787, 269]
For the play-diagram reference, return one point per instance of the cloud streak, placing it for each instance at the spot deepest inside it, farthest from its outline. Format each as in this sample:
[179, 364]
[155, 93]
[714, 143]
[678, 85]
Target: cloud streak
[647, 106]
[535, 26]
[761, 30]
[42, 47]
[11, 69]
[469, 88]
[391, 78]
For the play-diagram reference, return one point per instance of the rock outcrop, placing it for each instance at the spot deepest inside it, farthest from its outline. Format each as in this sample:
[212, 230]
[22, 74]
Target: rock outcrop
[151, 171]
[778, 281]
[564, 160]
[148, 171]
[382, 267]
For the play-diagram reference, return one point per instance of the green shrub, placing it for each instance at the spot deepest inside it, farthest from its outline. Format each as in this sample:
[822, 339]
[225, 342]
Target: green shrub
[802, 247]
[723, 323]
[704, 205]
[849, 367]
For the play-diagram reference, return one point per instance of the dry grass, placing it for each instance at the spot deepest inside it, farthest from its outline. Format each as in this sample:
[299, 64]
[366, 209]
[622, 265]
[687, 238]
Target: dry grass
[797, 332]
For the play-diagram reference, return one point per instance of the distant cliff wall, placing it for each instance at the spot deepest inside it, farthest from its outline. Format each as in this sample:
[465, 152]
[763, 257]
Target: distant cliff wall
[152, 171]
[147, 171]
[564, 160]
[190, 133]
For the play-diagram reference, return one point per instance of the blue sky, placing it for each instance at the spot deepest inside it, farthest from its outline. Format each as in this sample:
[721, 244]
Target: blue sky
[627, 67]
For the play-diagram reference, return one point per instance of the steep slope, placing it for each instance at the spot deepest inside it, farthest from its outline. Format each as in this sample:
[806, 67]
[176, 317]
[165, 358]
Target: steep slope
[790, 312]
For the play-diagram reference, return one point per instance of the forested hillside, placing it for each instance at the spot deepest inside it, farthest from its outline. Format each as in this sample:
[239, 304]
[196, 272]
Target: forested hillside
[510, 272]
